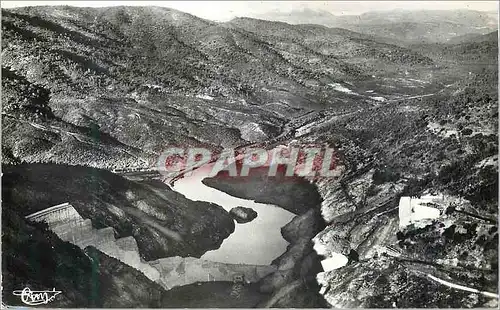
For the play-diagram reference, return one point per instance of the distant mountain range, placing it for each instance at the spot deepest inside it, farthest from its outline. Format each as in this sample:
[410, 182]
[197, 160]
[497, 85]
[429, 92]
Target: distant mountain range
[424, 26]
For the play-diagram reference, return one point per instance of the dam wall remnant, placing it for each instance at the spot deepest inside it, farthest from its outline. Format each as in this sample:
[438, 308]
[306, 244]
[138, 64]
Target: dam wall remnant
[68, 225]
[179, 271]
[55, 215]
[65, 221]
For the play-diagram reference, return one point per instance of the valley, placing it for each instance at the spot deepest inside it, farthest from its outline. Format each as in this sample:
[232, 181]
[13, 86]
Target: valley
[93, 96]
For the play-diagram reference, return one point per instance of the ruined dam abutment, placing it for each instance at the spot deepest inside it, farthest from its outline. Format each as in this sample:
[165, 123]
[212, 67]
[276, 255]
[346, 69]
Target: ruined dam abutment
[65, 221]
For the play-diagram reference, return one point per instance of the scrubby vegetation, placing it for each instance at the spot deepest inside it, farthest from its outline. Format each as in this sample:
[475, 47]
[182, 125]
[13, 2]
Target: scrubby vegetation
[124, 69]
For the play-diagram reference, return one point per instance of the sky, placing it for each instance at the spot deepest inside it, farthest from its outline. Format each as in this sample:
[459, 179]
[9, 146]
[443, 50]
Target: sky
[225, 10]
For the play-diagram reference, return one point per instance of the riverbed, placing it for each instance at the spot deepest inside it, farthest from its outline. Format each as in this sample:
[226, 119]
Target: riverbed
[258, 242]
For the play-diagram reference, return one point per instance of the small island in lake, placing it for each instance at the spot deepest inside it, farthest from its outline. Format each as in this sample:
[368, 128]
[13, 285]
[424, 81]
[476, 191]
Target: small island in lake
[242, 214]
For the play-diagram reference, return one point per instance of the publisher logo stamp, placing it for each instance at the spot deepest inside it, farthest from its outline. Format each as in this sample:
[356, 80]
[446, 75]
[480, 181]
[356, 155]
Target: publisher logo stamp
[34, 298]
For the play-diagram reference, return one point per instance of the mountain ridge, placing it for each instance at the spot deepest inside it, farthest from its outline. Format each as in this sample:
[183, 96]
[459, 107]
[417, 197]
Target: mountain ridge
[425, 25]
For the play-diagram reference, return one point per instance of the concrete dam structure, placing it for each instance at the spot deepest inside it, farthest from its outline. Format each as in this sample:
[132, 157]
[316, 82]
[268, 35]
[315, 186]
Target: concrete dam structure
[179, 271]
[169, 272]
[68, 225]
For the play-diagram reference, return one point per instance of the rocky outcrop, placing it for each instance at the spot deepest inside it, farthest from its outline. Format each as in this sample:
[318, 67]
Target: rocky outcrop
[384, 282]
[242, 214]
[401, 244]
[294, 283]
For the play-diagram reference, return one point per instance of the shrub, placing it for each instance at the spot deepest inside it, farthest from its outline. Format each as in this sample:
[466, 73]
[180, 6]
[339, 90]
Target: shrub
[466, 131]
[385, 175]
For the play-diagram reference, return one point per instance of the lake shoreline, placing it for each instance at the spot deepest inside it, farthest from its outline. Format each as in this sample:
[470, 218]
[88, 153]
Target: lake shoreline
[294, 283]
[258, 242]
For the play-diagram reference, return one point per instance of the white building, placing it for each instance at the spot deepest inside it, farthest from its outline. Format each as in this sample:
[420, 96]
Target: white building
[419, 210]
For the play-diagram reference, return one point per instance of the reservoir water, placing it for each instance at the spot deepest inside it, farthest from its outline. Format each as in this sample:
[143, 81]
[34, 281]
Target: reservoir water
[258, 242]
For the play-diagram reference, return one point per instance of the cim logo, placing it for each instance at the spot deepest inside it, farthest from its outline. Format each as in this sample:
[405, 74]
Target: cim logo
[35, 298]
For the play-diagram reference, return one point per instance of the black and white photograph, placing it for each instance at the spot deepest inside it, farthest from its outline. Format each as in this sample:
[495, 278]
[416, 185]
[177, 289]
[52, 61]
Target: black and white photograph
[249, 154]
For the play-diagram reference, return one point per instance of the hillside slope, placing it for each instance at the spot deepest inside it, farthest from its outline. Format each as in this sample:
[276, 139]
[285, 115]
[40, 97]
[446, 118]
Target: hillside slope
[115, 86]
[131, 208]
[446, 144]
